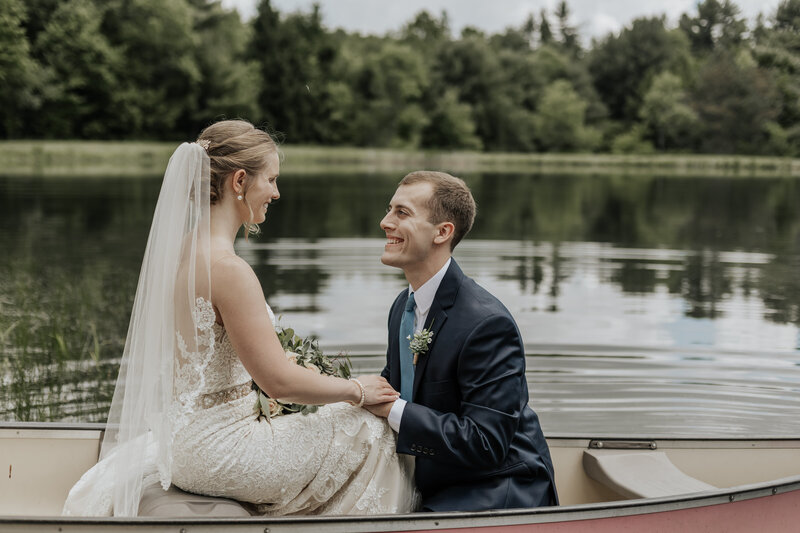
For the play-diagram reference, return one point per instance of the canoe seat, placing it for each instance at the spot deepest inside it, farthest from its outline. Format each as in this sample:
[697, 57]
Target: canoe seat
[639, 474]
[177, 503]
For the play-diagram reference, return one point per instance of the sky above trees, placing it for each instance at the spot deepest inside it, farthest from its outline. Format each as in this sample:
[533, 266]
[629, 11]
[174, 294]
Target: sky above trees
[591, 17]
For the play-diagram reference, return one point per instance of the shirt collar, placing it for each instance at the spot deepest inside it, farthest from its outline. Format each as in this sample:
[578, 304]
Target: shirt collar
[423, 297]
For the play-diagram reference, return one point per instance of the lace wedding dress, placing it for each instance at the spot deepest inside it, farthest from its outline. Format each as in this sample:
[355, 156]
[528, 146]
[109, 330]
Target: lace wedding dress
[339, 460]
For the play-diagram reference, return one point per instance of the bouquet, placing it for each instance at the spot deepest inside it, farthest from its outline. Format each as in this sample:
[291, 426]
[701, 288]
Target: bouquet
[306, 353]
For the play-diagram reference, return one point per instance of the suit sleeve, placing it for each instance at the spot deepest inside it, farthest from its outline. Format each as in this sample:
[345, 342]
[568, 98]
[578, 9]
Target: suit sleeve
[491, 379]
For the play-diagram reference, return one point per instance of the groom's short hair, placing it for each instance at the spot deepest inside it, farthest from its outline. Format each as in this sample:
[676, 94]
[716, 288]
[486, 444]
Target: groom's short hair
[451, 201]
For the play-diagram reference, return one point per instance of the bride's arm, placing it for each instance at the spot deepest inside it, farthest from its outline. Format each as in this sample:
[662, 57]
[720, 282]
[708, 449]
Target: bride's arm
[237, 295]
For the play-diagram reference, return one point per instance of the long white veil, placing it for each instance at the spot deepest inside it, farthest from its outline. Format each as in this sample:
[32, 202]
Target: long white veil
[174, 274]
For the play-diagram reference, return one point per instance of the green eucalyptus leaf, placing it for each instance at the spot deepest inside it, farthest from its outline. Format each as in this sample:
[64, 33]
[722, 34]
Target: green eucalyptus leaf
[308, 409]
[308, 352]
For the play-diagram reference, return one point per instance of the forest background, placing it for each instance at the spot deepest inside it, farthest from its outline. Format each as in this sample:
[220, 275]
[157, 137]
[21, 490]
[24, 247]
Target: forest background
[164, 69]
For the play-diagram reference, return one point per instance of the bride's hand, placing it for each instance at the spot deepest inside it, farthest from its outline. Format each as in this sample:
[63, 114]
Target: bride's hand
[377, 390]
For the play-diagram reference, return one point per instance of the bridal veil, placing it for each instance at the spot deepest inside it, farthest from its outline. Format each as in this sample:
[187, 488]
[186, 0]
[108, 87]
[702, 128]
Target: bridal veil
[175, 273]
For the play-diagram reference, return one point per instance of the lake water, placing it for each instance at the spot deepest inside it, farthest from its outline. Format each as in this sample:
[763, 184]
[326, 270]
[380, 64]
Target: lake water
[649, 306]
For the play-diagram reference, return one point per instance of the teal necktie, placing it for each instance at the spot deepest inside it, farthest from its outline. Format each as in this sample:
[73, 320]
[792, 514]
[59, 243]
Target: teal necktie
[406, 362]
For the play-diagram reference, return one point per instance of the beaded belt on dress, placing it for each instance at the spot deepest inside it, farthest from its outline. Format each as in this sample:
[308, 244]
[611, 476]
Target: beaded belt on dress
[207, 401]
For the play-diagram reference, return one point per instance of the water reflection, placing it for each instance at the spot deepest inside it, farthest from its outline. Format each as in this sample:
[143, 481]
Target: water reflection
[572, 293]
[648, 305]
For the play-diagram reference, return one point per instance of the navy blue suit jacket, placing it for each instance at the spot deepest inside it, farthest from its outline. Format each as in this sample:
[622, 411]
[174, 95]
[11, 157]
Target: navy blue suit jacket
[477, 443]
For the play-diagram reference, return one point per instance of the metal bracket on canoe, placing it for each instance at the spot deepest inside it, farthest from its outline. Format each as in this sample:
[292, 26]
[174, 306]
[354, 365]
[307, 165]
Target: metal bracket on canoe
[614, 444]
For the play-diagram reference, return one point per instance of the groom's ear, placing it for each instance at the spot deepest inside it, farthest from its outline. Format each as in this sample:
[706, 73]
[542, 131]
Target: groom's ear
[444, 232]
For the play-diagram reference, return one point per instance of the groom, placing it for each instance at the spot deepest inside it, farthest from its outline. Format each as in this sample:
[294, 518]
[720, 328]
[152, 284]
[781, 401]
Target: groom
[463, 410]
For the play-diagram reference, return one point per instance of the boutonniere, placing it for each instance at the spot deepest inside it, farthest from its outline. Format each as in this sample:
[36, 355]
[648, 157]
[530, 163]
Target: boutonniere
[420, 343]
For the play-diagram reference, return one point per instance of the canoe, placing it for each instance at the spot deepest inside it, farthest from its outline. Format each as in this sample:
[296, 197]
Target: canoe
[606, 484]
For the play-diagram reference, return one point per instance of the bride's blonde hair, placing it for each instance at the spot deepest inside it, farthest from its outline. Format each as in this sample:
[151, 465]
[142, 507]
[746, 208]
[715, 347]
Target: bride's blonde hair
[234, 145]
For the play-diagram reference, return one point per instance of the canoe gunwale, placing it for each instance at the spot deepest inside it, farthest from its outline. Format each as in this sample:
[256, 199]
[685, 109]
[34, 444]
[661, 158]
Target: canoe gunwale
[787, 441]
[426, 521]
[421, 521]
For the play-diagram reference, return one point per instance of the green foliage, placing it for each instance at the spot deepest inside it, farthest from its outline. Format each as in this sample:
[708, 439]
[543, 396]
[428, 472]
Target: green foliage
[58, 340]
[305, 353]
[545, 33]
[568, 33]
[716, 25]
[80, 72]
[160, 76]
[308, 351]
[18, 71]
[426, 30]
[451, 124]
[392, 82]
[778, 140]
[777, 50]
[670, 120]
[229, 81]
[164, 69]
[622, 66]
[632, 141]
[295, 57]
[735, 104]
[560, 120]
[502, 111]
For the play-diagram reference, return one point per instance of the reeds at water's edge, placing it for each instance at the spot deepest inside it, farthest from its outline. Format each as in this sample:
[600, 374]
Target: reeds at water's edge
[59, 349]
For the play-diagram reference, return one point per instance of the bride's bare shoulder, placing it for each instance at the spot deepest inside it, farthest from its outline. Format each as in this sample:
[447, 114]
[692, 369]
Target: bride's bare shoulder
[232, 274]
[227, 261]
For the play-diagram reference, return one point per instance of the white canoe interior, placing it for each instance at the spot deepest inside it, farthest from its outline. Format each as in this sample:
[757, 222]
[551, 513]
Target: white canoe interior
[41, 462]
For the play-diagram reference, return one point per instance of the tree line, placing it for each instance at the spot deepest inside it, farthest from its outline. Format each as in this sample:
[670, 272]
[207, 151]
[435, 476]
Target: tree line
[163, 69]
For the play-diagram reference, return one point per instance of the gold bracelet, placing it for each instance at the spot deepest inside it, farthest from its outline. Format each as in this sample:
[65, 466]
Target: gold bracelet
[363, 393]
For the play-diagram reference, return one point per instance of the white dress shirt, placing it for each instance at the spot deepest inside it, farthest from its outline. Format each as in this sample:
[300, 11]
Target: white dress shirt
[423, 298]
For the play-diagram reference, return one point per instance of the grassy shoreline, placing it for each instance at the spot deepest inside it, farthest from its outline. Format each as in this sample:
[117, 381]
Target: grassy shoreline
[133, 158]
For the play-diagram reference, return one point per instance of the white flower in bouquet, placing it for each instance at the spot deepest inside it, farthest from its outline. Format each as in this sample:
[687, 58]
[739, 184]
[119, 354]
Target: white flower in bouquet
[274, 407]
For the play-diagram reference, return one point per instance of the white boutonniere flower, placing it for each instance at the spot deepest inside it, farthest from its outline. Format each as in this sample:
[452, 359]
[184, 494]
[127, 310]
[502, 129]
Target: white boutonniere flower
[420, 342]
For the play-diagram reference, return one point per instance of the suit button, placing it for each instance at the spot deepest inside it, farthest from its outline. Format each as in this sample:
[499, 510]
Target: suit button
[413, 447]
[433, 452]
[425, 451]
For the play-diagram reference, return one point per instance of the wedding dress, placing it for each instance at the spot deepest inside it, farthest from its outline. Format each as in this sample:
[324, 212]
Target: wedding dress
[184, 413]
[338, 460]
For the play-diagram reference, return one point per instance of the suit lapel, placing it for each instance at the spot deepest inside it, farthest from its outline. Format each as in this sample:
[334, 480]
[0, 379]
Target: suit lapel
[437, 316]
[436, 319]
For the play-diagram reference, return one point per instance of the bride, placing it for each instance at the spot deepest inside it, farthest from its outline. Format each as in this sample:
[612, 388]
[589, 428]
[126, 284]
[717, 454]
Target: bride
[184, 411]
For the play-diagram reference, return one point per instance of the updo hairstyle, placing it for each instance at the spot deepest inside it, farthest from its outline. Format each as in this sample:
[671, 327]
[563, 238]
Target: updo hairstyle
[235, 144]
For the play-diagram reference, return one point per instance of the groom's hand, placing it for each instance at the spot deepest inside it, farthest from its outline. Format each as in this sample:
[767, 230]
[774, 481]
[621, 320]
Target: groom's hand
[380, 409]
[377, 390]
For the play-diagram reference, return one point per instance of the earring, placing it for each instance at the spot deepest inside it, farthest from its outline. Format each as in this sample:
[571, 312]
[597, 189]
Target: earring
[240, 197]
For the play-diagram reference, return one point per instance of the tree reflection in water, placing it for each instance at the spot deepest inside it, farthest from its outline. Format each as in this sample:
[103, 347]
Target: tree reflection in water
[715, 245]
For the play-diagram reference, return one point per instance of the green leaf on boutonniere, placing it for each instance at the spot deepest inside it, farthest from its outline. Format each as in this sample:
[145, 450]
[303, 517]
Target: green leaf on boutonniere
[420, 343]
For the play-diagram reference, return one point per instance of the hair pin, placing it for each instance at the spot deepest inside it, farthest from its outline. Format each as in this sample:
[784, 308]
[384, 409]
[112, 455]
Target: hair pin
[205, 143]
